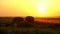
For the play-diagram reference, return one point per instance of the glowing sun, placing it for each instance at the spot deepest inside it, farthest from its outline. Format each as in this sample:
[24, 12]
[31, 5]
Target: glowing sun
[41, 10]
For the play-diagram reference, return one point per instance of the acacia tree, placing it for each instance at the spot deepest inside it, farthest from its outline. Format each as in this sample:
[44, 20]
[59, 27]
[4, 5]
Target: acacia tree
[29, 21]
[18, 21]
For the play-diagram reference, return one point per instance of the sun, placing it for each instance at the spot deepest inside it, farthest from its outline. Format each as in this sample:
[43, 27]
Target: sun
[41, 10]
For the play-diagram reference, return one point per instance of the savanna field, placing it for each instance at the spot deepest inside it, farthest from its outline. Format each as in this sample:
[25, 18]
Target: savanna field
[39, 26]
[29, 16]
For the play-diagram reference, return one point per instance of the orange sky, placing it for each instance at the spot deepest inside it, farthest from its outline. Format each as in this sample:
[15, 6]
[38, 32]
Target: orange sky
[36, 8]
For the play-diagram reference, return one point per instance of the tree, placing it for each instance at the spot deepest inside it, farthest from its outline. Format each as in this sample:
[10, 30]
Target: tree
[18, 21]
[29, 21]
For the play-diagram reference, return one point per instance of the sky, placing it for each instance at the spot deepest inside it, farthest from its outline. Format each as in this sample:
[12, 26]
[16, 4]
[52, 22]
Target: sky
[36, 8]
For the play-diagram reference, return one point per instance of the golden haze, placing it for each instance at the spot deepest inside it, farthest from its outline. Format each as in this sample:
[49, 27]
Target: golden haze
[36, 8]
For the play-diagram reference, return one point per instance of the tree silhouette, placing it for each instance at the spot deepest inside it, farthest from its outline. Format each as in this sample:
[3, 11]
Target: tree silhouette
[18, 21]
[29, 21]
